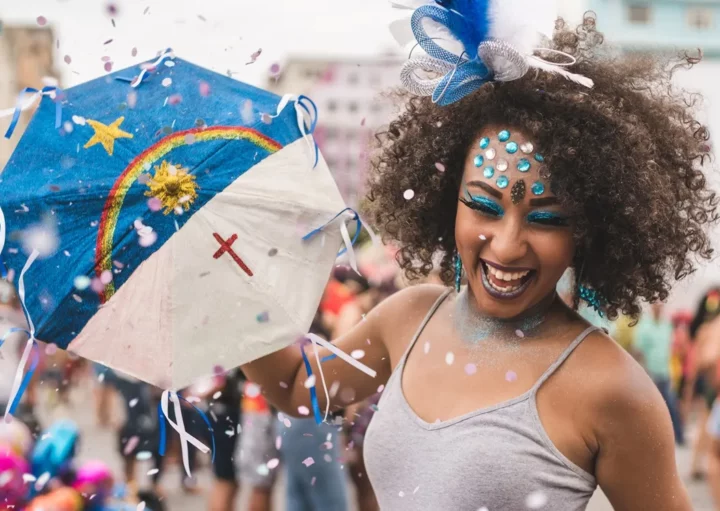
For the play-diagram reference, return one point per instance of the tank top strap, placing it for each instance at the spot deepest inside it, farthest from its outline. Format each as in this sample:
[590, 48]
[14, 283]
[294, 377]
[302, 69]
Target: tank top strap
[424, 323]
[562, 358]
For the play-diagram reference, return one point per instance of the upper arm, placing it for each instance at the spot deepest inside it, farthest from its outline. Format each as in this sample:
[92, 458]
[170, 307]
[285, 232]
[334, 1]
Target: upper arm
[375, 336]
[635, 465]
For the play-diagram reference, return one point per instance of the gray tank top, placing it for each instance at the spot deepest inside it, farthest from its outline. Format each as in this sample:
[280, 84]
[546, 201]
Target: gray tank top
[493, 459]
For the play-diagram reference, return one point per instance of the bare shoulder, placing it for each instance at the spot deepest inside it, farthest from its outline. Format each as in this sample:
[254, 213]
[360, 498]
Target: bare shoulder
[400, 315]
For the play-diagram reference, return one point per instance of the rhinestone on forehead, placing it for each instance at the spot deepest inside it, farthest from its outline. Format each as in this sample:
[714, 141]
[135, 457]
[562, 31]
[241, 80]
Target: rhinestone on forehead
[502, 182]
[539, 158]
[517, 194]
[511, 147]
[502, 165]
[484, 143]
[527, 147]
[537, 188]
[479, 160]
[490, 154]
[523, 165]
[504, 136]
[489, 172]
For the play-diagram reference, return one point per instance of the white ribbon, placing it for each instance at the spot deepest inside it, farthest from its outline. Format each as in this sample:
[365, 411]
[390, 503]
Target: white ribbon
[179, 426]
[29, 102]
[349, 247]
[2, 231]
[20, 373]
[341, 354]
[167, 54]
[300, 113]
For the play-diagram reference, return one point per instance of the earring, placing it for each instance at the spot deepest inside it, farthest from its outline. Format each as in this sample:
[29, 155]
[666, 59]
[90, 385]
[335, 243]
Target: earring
[458, 271]
[592, 298]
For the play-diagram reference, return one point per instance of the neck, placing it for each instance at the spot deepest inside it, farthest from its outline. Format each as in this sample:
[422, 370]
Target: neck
[475, 326]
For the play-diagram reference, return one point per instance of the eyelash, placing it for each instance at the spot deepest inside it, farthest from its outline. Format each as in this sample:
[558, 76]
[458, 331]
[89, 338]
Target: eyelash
[548, 219]
[483, 205]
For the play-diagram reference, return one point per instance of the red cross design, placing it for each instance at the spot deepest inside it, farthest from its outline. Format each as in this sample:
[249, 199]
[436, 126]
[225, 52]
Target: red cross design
[225, 247]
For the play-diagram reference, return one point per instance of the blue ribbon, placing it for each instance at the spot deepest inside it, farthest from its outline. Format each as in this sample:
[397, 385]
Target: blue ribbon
[29, 373]
[313, 393]
[358, 225]
[19, 105]
[163, 433]
[468, 74]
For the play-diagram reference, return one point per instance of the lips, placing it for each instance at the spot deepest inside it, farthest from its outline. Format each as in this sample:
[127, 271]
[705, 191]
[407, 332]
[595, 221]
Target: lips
[505, 283]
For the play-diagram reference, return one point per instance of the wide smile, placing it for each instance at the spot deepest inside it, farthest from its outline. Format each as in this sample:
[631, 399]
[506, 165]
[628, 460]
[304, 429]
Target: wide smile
[507, 283]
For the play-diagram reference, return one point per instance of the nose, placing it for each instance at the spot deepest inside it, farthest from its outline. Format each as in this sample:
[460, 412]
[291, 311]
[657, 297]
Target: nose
[509, 244]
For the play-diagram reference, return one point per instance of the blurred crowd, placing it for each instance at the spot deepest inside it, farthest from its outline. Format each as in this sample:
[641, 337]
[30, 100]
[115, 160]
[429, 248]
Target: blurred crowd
[320, 467]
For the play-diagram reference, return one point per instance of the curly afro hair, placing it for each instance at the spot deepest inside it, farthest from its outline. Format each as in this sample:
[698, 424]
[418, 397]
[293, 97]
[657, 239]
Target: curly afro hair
[625, 158]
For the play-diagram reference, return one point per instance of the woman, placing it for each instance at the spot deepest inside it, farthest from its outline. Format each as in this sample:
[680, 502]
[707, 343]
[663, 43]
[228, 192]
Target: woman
[500, 396]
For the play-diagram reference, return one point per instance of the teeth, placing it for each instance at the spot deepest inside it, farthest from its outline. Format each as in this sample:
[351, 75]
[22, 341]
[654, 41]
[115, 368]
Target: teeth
[507, 277]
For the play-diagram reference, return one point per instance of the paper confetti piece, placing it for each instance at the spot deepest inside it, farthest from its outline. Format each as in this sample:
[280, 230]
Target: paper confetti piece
[41, 20]
[440, 167]
[470, 369]
[519, 333]
[303, 410]
[401, 494]
[263, 317]
[483, 237]
[108, 66]
[254, 56]
[144, 456]
[175, 99]
[273, 463]
[357, 354]
[204, 89]
[310, 382]
[536, 500]
[426, 348]
[141, 506]
[29, 478]
[133, 402]
[511, 376]
[308, 462]
[409, 194]
[51, 349]
[133, 52]
[81, 282]
[67, 59]
[167, 82]
[130, 445]
[153, 471]
[449, 358]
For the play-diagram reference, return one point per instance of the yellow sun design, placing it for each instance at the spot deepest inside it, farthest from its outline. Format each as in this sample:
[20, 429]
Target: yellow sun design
[173, 186]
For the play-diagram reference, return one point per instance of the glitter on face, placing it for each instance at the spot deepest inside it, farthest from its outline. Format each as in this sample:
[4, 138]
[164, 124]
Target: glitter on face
[517, 194]
[502, 182]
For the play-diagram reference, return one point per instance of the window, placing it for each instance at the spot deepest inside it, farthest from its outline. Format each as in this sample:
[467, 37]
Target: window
[639, 14]
[700, 18]
[353, 106]
[332, 105]
[353, 78]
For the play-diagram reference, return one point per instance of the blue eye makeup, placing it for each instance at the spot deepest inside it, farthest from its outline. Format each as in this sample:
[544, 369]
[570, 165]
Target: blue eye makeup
[548, 218]
[481, 203]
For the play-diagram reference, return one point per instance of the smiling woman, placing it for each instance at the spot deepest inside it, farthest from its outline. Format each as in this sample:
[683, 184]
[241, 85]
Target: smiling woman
[515, 182]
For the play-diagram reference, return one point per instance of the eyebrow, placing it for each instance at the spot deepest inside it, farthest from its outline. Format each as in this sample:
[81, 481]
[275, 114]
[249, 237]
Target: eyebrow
[544, 201]
[486, 187]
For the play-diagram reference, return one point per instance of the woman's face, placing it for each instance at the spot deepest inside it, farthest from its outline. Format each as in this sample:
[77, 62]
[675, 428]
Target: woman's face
[514, 239]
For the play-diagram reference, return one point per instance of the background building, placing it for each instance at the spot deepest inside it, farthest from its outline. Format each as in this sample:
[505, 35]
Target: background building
[347, 92]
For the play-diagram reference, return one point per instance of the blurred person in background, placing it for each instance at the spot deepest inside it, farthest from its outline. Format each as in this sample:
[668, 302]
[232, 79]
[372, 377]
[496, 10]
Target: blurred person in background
[701, 387]
[257, 449]
[653, 341]
[708, 363]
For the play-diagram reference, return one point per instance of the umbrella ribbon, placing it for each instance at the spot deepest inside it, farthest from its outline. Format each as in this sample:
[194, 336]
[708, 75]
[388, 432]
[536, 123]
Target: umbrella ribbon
[303, 105]
[346, 235]
[316, 341]
[23, 104]
[179, 426]
[22, 379]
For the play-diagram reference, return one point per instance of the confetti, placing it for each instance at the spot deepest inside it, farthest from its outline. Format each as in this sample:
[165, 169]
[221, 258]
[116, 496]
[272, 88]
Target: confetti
[409, 194]
[536, 500]
[272, 252]
[51, 349]
[362, 123]
[204, 89]
[310, 382]
[144, 456]
[266, 118]
[141, 506]
[29, 478]
[217, 395]
[510, 376]
[308, 462]
[520, 333]
[133, 52]
[108, 41]
[357, 354]
[154, 204]
[470, 369]
[273, 463]
[167, 82]
[80, 121]
[108, 66]
[42, 481]
[483, 237]
[81, 282]
[401, 494]
[175, 99]
[449, 358]
[41, 20]
[303, 410]
[275, 69]
[111, 9]
[254, 56]
[201, 17]
[287, 422]
[247, 113]
[133, 402]
[440, 167]
[67, 59]
[426, 348]
[106, 277]
[278, 442]
[380, 388]
[263, 317]
[41, 237]
[153, 471]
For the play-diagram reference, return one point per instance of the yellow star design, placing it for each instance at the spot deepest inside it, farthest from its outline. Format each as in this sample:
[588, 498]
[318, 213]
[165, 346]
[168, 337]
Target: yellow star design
[106, 135]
